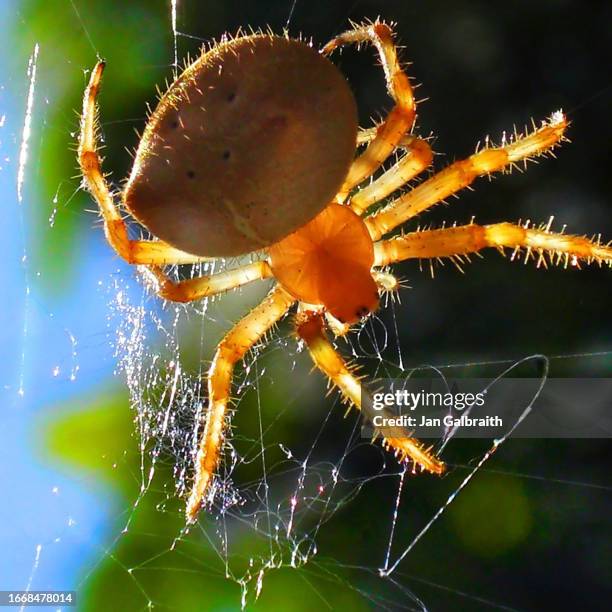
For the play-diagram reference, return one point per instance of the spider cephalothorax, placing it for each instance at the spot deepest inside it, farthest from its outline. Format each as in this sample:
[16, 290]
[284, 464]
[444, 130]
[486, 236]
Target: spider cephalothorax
[252, 149]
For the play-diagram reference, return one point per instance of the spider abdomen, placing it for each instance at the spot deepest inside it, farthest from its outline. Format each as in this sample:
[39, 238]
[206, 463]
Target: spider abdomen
[252, 141]
[328, 261]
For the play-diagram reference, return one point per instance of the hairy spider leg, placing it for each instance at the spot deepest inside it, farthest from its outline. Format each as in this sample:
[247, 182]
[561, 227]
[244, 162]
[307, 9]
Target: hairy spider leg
[418, 157]
[401, 118]
[243, 336]
[200, 287]
[461, 173]
[386, 281]
[463, 240]
[133, 251]
[309, 327]
[144, 252]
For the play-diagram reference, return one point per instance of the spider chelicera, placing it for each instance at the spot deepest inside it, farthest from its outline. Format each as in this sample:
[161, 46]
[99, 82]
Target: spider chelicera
[252, 150]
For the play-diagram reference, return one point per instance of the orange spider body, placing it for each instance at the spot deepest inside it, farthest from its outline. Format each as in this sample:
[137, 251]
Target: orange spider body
[252, 149]
[306, 264]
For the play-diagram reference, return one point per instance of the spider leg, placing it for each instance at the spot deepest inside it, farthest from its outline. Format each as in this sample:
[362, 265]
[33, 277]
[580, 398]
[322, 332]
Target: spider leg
[385, 281]
[204, 286]
[133, 251]
[402, 116]
[366, 135]
[250, 330]
[309, 327]
[461, 173]
[454, 242]
[418, 157]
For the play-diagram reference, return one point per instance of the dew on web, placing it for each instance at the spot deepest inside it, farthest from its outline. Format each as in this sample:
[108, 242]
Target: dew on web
[168, 403]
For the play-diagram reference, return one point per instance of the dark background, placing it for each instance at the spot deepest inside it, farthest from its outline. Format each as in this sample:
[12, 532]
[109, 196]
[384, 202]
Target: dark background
[532, 531]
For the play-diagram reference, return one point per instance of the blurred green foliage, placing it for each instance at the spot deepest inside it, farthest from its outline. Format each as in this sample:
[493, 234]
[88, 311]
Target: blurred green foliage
[67, 52]
[500, 509]
[148, 561]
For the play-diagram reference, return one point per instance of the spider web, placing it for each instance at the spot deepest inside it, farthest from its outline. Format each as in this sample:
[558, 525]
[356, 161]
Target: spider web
[281, 497]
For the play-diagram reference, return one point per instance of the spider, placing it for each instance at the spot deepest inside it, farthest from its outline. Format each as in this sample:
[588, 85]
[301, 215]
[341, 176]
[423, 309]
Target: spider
[252, 150]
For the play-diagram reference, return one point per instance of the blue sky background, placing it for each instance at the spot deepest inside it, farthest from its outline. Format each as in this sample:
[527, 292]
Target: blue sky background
[40, 506]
